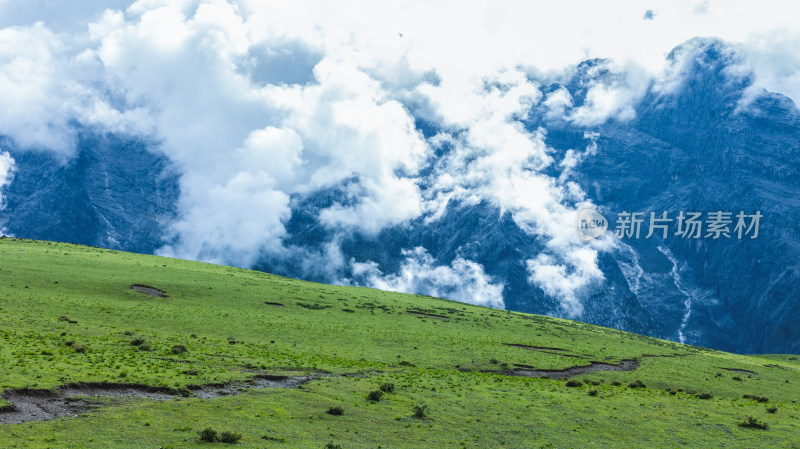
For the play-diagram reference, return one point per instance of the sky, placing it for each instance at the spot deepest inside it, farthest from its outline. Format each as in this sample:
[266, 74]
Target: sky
[255, 101]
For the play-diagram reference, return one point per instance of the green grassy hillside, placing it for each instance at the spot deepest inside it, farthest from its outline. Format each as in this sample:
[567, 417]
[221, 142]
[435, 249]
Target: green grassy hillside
[69, 320]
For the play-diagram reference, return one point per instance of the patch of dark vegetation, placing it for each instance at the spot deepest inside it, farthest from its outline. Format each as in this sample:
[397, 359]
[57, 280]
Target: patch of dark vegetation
[208, 435]
[276, 304]
[616, 383]
[348, 310]
[335, 411]
[428, 314]
[406, 363]
[179, 349]
[637, 384]
[315, 306]
[138, 341]
[574, 383]
[190, 372]
[149, 291]
[754, 423]
[333, 446]
[67, 319]
[374, 396]
[387, 387]
[772, 409]
[705, 396]
[420, 411]
[229, 437]
[737, 378]
[756, 397]
[592, 392]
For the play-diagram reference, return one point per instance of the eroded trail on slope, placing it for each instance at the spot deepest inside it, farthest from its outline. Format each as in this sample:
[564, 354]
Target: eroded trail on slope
[73, 399]
[624, 365]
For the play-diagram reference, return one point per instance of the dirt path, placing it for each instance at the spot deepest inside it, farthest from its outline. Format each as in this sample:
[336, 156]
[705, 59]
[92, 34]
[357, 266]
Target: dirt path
[74, 399]
[624, 365]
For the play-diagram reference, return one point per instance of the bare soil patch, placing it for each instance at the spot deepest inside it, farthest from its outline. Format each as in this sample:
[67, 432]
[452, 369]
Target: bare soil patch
[554, 351]
[432, 315]
[739, 370]
[73, 399]
[534, 348]
[149, 291]
[624, 365]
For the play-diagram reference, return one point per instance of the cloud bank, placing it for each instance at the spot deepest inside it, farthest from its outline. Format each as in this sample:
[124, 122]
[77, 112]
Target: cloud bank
[463, 280]
[6, 174]
[255, 102]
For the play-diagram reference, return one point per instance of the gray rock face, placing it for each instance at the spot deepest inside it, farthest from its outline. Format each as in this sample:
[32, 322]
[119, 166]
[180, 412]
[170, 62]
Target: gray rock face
[114, 194]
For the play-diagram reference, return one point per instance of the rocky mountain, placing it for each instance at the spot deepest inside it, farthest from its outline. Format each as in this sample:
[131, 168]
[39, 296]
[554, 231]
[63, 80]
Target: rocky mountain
[704, 143]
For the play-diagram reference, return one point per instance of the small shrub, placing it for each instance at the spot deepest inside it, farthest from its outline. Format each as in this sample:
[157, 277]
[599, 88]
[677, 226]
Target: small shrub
[80, 349]
[494, 361]
[616, 383]
[229, 437]
[756, 398]
[333, 446]
[190, 372]
[637, 384]
[69, 343]
[705, 396]
[375, 396]
[209, 435]
[179, 349]
[737, 378]
[754, 423]
[574, 383]
[772, 409]
[420, 411]
[387, 387]
[593, 392]
[673, 392]
[128, 333]
[138, 341]
[335, 411]
[406, 363]
[144, 347]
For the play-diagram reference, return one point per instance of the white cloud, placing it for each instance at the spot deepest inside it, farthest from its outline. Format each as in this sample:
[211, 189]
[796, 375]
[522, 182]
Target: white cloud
[463, 280]
[6, 174]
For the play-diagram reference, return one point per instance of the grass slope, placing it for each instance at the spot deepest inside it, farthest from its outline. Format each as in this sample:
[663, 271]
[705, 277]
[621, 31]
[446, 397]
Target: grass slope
[68, 314]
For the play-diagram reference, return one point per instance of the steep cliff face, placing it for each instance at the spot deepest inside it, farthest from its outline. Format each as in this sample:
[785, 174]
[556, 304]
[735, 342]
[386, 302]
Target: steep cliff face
[704, 143]
[707, 147]
[114, 193]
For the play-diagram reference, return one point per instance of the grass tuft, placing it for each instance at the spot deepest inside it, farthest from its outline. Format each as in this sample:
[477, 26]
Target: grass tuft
[754, 423]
